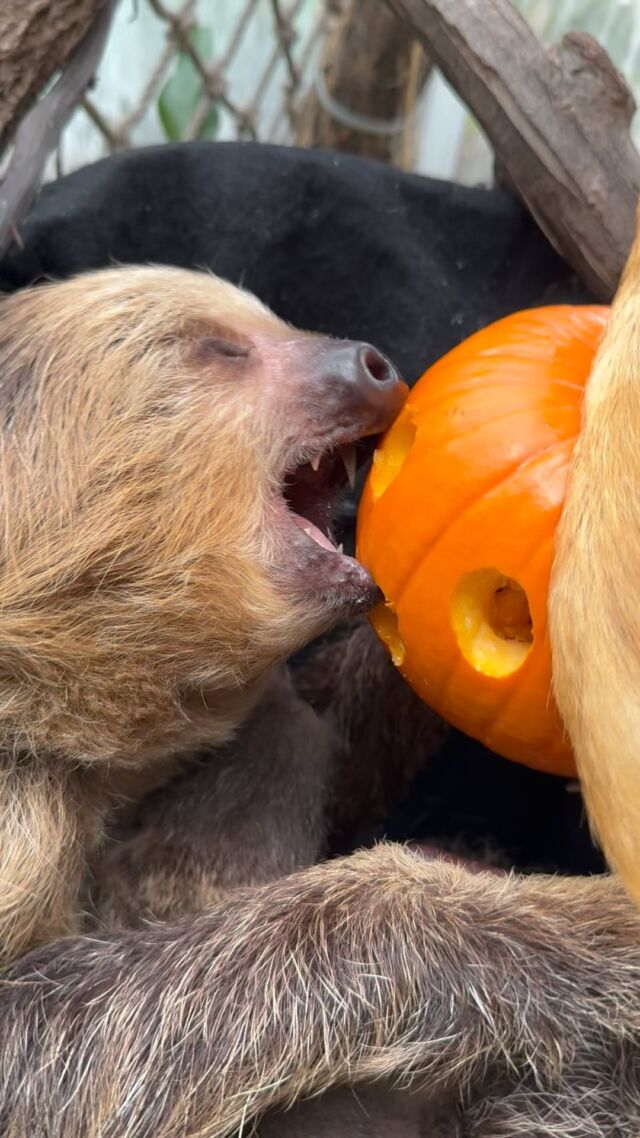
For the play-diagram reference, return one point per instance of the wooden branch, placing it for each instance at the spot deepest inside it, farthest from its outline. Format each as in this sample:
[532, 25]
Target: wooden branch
[558, 121]
[36, 37]
[370, 75]
[38, 133]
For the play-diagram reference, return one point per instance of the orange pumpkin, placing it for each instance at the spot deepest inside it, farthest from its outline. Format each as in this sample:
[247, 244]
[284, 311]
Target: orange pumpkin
[457, 524]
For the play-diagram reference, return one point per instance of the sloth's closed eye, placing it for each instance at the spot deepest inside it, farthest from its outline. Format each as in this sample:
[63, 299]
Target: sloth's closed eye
[221, 347]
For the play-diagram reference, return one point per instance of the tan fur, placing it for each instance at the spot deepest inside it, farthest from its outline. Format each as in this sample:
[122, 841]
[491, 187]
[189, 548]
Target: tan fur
[138, 604]
[46, 828]
[593, 604]
[133, 583]
[145, 590]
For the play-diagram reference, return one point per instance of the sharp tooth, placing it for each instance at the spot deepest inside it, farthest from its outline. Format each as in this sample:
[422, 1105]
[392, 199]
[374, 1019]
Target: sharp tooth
[348, 455]
[340, 548]
[314, 462]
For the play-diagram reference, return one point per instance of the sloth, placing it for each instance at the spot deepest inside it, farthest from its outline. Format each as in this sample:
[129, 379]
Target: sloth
[182, 955]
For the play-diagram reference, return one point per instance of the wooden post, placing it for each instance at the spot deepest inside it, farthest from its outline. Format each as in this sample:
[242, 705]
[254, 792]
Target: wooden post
[558, 121]
[371, 73]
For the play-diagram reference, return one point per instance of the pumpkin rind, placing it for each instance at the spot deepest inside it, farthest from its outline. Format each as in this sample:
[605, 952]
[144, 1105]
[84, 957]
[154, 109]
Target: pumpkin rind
[471, 478]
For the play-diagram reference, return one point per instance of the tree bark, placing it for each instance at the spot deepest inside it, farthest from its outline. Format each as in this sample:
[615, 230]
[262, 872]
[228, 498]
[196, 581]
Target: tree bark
[39, 130]
[370, 75]
[558, 121]
[36, 37]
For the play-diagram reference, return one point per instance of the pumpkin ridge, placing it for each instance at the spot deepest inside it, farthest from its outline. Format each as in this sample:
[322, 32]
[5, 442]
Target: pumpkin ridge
[429, 547]
[465, 434]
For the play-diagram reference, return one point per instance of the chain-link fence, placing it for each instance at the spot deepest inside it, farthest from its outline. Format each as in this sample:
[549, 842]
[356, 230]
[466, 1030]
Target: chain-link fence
[192, 70]
[240, 69]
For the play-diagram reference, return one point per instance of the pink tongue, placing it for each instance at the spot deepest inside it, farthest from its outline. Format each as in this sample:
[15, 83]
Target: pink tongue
[313, 532]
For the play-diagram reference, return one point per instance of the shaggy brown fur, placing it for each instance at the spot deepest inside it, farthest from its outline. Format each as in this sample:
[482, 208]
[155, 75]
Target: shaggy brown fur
[594, 614]
[147, 580]
[151, 577]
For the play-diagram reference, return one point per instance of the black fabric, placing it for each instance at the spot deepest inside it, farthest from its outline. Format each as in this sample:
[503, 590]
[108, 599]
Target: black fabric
[353, 248]
[331, 243]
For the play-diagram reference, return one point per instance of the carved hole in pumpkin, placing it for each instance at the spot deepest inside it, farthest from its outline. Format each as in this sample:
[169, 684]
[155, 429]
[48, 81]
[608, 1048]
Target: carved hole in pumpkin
[492, 622]
[389, 460]
[385, 621]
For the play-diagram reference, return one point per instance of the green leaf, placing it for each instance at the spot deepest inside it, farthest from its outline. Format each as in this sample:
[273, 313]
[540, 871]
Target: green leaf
[183, 92]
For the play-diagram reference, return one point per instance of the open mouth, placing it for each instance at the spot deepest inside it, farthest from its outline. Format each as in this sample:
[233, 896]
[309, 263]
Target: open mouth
[311, 492]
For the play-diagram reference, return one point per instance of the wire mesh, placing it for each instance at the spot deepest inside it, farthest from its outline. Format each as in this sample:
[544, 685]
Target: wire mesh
[272, 42]
[253, 85]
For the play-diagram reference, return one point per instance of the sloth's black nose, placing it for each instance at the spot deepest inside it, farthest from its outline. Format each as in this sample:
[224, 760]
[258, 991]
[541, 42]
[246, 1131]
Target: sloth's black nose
[362, 381]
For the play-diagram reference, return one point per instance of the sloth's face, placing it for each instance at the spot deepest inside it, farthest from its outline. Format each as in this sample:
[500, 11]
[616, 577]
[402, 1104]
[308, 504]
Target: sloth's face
[171, 455]
[330, 400]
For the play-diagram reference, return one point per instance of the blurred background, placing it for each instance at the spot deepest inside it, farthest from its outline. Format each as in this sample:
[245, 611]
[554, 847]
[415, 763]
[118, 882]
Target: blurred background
[339, 73]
